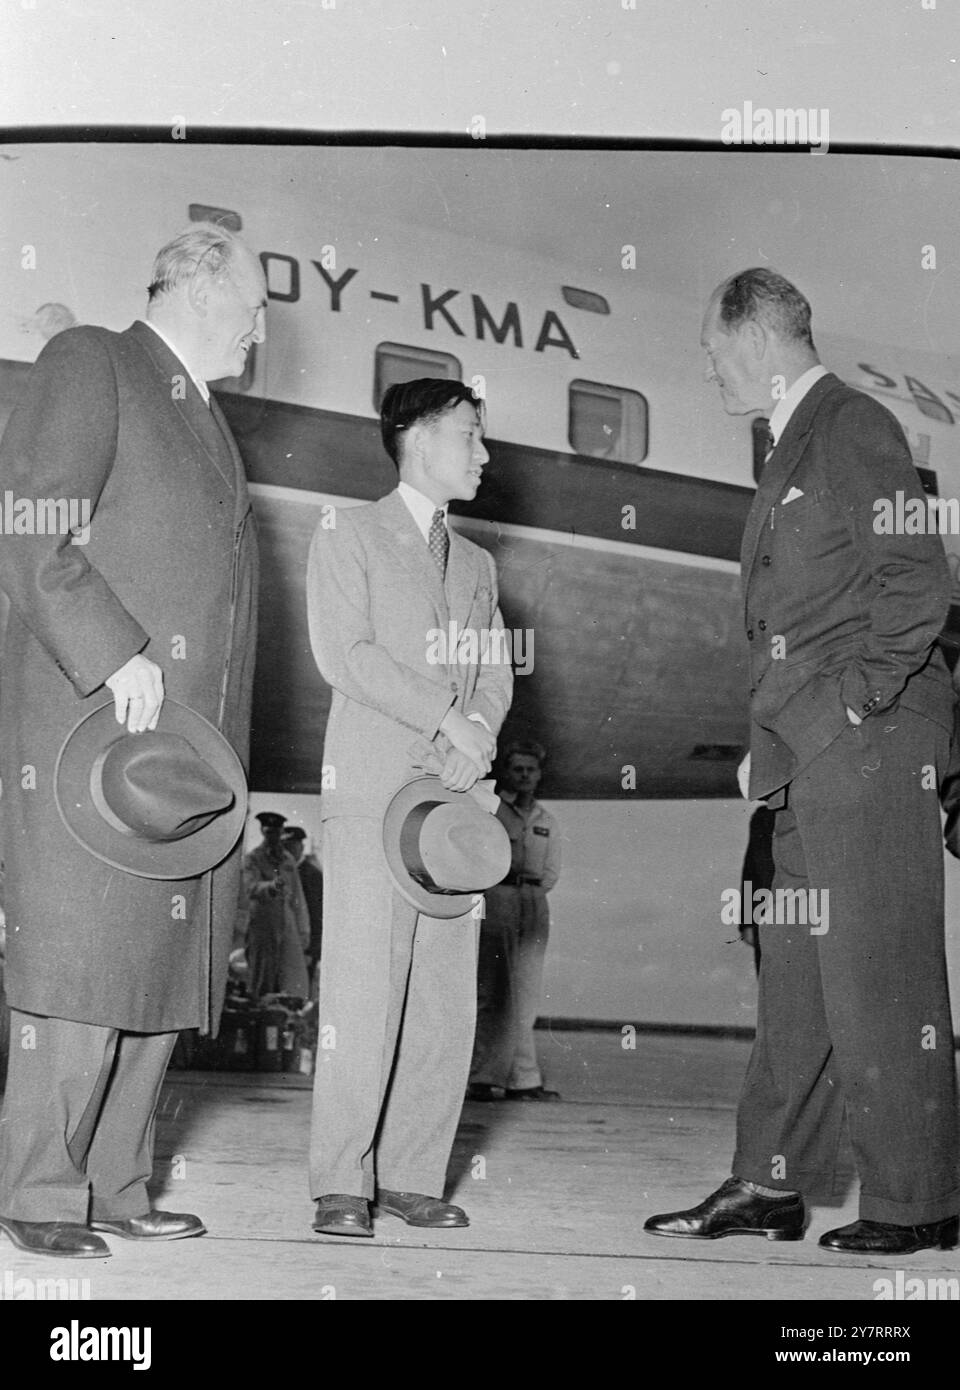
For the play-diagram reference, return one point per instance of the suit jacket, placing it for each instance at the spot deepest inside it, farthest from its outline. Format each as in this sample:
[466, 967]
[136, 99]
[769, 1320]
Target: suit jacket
[170, 570]
[375, 602]
[836, 614]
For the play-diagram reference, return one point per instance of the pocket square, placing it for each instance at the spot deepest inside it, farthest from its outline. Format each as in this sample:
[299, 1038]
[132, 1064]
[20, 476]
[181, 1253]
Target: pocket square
[791, 496]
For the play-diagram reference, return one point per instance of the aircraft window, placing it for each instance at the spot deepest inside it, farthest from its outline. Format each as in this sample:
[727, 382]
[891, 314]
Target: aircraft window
[589, 300]
[398, 362]
[607, 422]
[202, 212]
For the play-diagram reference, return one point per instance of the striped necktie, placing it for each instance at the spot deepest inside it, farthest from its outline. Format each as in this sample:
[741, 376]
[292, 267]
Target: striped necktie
[439, 541]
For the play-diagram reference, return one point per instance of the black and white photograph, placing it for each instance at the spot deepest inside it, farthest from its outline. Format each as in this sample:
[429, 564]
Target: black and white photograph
[479, 635]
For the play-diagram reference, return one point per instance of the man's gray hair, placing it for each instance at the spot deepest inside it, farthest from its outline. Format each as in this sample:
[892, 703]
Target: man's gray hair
[203, 244]
[763, 296]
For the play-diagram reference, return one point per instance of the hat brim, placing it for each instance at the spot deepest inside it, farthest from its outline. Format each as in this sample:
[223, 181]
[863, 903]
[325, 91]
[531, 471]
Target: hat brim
[433, 904]
[175, 859]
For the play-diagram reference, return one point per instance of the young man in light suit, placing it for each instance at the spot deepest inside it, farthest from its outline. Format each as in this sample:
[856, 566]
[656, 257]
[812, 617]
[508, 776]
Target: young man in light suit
[398, 989]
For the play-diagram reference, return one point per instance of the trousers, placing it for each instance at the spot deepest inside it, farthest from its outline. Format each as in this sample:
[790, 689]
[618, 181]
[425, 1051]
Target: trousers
[78, 1118]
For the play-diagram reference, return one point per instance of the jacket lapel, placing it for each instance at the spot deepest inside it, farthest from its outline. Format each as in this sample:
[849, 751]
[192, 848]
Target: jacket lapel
[412, 550]
[779, 467]
[240, 473]
[462, 579]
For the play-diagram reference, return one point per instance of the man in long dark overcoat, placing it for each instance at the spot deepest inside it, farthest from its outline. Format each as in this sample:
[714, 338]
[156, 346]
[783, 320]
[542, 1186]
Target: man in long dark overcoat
[157, 596]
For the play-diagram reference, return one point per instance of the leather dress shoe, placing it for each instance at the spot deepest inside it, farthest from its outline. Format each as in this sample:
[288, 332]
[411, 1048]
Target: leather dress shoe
[883, 1238]
[480, 1090]
[154, 1225]
[416, 1209]
[66, 1239]
[341, 1214]
[532, 1093]
[733, 1210]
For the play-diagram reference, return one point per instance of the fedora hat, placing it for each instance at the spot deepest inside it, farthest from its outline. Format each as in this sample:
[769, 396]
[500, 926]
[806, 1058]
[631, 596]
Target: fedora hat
[168, 803]
[442, 848]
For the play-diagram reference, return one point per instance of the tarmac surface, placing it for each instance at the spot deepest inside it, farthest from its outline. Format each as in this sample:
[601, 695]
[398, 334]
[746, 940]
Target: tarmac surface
[557, 1195]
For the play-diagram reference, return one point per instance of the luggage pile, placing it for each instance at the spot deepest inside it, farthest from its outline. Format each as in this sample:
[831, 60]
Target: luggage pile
[274, 1034]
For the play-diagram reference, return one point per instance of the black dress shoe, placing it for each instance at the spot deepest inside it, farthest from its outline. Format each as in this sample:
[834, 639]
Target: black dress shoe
[480, 1090]
[418, 1210]
[155, 1225]
[62, 1238]
[532, 1093]
[733, 1210]
[883, 1238]
[340, 1214]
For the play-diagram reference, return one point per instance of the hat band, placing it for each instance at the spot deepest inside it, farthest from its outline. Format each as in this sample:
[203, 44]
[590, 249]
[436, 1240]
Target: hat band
[410, 849]
[98, 798]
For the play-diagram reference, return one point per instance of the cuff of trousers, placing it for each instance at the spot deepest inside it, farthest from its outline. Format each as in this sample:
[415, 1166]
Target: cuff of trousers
[921, 1211]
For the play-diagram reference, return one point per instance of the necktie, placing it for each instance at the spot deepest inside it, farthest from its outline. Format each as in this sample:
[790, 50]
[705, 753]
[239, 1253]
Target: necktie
[439, 541]
[766, 436]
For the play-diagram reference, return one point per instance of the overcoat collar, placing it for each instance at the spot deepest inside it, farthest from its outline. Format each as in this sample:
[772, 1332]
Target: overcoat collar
[781, 464]
[205, 423]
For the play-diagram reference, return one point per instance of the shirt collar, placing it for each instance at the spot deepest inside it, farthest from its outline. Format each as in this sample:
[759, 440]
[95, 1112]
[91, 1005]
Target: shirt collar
[198, 382]
[420, 508]
[511, 799]
[788, 403]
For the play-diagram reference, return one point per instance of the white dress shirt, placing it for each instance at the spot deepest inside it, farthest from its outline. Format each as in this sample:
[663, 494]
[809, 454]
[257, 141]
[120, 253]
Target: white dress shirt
[420, 508]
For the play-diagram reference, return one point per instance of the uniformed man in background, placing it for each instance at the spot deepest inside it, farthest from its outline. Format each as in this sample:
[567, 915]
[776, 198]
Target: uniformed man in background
[513, 940]
[279, 929]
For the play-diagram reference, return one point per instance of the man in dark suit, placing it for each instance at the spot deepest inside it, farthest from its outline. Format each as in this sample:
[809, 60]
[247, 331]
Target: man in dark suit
[850, 719]
[385, 585]
[159, 597]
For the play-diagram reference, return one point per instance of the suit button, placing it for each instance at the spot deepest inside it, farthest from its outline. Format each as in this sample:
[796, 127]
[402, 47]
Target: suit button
[749, 634]
[753, 690]
[454, 687]
[762, 625]
[765, 560]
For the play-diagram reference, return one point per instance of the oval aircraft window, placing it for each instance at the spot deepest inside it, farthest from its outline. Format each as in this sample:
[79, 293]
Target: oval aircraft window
[398, 362]
[607, 422]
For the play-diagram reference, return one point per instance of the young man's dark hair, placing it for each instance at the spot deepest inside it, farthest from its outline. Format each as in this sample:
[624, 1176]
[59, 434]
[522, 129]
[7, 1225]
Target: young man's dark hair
[407, 403]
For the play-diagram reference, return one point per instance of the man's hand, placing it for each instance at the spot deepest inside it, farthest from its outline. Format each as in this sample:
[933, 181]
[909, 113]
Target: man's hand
[854, 718]
[469, 736]
[138, 692]
[459, 772]
[743, 778]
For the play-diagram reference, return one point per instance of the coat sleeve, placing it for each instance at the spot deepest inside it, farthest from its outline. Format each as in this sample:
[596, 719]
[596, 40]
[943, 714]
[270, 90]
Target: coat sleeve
[258, 886]
[494, 689]
[60, 443]
[910, 592]
[345, 644]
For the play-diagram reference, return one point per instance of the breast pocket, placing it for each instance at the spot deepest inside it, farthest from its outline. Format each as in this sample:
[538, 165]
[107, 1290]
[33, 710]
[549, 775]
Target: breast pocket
[798, 512]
